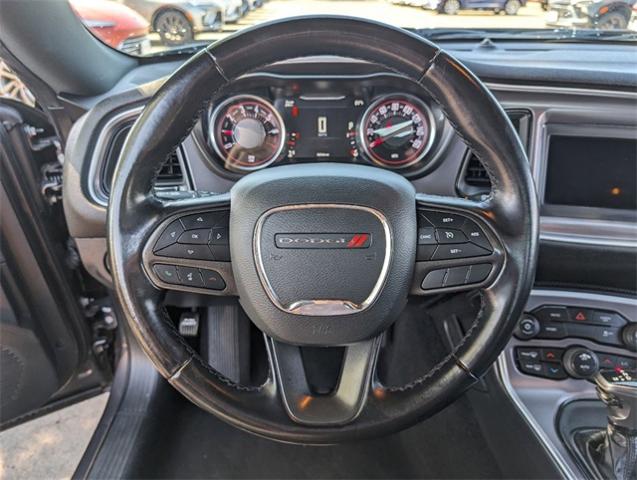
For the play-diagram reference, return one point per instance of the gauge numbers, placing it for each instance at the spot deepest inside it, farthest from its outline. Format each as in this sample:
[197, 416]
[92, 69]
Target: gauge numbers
[396, 131]
[247, 132]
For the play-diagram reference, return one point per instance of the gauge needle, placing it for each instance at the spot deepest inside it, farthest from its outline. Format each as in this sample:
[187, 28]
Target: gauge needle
[390, 131]
[398, 130]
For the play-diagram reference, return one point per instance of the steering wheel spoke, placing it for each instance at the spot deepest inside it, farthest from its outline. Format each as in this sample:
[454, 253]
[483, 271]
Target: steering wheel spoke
[189, 248]
[339, 407]
[458, 248]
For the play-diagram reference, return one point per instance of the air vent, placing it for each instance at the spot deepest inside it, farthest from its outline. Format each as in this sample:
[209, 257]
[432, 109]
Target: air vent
[171, 176]
[474, 180]
[171, 173]
[476, 175]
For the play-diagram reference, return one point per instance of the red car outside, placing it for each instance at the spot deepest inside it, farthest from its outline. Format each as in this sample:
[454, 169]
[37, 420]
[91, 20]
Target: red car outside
[115, 24]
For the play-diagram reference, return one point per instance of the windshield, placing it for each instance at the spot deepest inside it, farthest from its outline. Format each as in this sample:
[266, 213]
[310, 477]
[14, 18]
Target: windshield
[150, 27]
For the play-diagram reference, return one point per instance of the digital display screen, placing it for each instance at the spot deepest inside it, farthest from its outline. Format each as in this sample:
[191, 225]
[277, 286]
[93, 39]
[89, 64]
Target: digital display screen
[321, 128]
[592, 172]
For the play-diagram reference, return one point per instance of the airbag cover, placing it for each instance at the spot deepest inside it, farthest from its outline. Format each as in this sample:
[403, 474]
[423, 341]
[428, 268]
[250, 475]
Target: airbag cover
[323, 256]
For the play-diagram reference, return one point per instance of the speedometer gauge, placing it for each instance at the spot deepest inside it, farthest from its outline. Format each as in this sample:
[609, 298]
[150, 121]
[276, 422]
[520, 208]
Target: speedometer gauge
[396, 131]
[247, 132]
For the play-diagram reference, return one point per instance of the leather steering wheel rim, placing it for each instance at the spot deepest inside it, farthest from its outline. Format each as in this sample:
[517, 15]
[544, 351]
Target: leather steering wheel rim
[134, 212]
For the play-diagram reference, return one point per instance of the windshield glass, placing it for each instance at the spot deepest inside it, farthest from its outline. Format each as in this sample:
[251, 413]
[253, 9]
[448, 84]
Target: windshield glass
[150, 27]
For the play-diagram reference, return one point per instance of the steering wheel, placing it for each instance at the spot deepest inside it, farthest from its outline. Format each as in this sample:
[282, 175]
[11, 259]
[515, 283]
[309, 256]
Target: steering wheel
[323, 254]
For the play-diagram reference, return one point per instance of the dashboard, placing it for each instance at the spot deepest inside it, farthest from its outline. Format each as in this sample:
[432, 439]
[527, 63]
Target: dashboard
[339, 110]
[582, 149]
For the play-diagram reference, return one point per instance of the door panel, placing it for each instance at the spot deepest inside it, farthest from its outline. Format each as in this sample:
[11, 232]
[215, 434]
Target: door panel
[45, 338]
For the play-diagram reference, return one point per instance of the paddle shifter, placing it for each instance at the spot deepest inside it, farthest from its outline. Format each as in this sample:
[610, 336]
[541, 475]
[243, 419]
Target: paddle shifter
[615, 450]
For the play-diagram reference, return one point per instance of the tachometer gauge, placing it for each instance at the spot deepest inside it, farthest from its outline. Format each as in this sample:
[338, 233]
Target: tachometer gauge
[396, 131]
[247, 132]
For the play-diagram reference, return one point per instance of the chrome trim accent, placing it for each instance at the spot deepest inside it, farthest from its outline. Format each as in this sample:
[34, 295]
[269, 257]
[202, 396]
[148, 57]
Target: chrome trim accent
[322, 307]
[547, 119]
[95, 192]
[555, 393]
[559, 90]
[502, 372]
[570, 230]
[214, 113]
[360, 135]
[94, 183]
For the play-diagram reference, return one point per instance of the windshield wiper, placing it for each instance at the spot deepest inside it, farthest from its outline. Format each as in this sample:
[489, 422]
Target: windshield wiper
[612, 35]
[191, 48]
[538, 34]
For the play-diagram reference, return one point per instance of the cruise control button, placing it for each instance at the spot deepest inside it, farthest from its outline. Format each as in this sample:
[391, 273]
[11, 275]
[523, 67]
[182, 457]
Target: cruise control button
[478, 273]
[461, 250]
[424, 252]
[220, 253]
[476, 235]
[166, 273]
[456, 276]
[609, 319]
[195, 237]
[422, 221]
[551, 314]
[180, 250]
[219, 236]
[426, 236]
[444, 220]
[450, 235]
[434, 279]
[190, 276]
[212, 280]
[169, 236]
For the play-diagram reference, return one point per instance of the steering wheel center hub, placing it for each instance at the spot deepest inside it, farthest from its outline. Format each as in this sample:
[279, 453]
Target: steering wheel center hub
[316, 258]
[323, 259]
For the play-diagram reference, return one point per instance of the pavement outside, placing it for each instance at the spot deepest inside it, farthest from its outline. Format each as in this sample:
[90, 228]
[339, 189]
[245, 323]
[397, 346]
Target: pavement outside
[50, 446]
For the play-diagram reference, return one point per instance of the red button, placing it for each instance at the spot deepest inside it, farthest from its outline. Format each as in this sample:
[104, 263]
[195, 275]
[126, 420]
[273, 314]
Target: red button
[580, 315]
[552, 354]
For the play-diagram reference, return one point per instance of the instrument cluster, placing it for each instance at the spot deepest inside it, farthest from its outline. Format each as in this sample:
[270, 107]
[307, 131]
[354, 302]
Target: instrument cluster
[294, 123]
